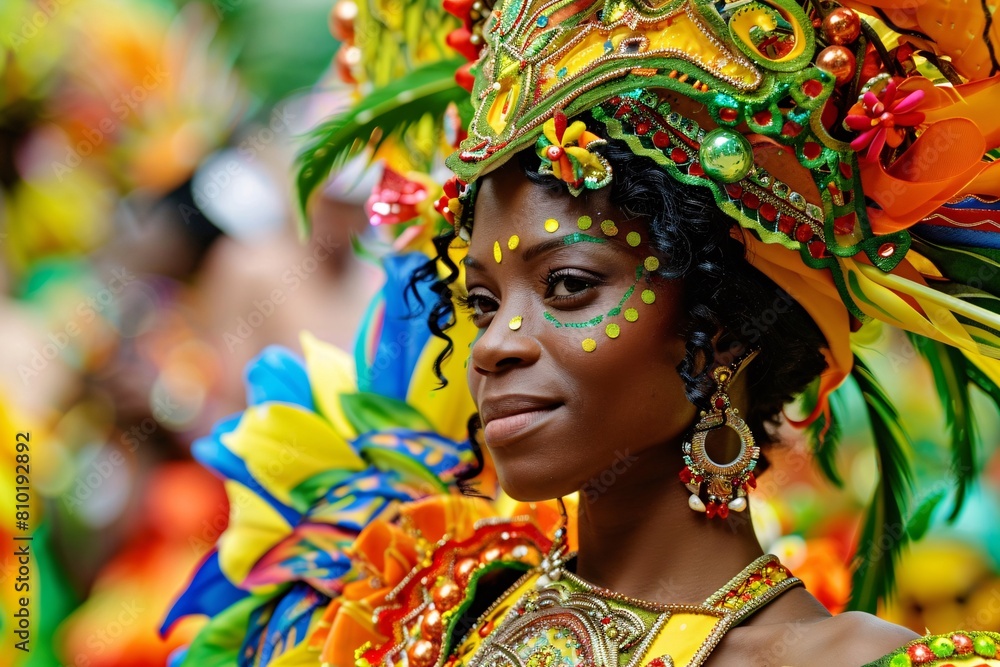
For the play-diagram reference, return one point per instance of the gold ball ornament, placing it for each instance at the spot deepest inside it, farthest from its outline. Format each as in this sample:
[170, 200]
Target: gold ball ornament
[446, 594]
[431, 625]
[421, 654]
[842, 26]
[838, 61]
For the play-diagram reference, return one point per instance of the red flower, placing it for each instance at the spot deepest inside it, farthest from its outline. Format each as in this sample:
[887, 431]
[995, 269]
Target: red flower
[881, 119]
[449, 205]
[395, 199]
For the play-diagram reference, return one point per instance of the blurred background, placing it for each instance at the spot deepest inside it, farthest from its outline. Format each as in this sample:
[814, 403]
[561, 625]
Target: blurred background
[149, 249]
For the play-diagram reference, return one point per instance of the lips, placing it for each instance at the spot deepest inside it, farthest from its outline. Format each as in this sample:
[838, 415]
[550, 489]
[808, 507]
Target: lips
[507, 417]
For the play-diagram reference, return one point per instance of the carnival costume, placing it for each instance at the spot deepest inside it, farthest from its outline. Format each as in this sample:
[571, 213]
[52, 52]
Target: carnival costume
[854, 146]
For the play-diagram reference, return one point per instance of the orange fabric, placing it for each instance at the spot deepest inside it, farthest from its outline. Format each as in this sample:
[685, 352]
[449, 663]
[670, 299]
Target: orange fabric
[816, 292]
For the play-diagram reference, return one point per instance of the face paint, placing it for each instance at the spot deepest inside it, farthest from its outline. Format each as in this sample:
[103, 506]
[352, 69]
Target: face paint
[515, 322]
[609, 228]
[570, 239]
[497, 254]
[551, 225]
[651, 264]
[633, 239]
[512, 242]
[584, 222]
[648, 296]
[589, 344]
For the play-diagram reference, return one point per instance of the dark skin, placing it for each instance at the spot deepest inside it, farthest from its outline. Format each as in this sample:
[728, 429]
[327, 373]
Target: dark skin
[563, 415]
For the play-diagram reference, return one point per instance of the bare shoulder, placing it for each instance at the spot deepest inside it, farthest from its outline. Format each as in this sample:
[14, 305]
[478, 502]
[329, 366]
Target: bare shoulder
[799, 635]
[851, 639]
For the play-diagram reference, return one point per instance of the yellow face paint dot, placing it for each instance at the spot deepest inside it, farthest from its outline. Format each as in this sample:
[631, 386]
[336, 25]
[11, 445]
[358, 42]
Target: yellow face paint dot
[648, 296]
[651, 263]
[551, 225]
[589, 344]
[633, 239]
[515, 322]
[497, 255]
[612, 330]
[584, 222]
[631, 314]
[609, 228]
[512, 242]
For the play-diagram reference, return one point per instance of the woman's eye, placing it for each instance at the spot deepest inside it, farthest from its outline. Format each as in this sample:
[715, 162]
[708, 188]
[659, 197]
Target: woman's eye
[567, 285]
[479, 305]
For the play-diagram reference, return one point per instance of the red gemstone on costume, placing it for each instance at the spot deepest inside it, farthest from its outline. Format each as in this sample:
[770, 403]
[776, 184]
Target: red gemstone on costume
[762, 117]
[642, 127]
[711, 510]
[554, 152]
[486, 628]
[723, 512]
[720, 403]
[680, 157]
[750, 200]
[622, 110]
[920, 654]
[803, 233]
[734, 190]
[751, 481]
[615, 100]
[605, 620]
[963, 644]
[812, 88]
[886, 250]
[791, 129]
[817, 249]
[786, 224]
[696, 170]
[728, 114]
[661, 139]
[656, 662]
[811, 150]
[685, 475]
[768, 211]
[845, 224]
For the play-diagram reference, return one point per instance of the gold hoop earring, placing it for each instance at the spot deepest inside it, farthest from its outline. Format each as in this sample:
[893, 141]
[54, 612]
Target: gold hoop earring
[725, 485]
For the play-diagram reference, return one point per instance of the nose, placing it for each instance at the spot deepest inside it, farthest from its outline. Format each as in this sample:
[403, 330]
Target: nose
[505, 344]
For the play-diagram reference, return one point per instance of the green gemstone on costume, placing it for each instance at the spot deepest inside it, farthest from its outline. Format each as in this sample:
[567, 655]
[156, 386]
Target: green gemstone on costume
[942, 647]
[984, 646]
[725, 155]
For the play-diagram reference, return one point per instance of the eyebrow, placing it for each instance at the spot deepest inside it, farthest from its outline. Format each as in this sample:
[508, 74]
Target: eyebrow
[541, 248]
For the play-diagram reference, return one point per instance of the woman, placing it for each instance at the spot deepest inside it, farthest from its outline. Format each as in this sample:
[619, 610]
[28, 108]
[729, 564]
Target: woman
[663, 233]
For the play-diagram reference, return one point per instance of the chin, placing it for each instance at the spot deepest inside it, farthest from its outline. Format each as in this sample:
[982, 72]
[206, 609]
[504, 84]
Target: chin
[529, 480]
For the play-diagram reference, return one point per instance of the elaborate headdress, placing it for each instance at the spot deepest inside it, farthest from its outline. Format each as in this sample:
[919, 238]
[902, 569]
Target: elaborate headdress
[855, 145]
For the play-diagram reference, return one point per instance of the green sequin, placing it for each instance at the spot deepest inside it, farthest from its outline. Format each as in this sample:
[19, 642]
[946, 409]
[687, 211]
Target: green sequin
[571, 239]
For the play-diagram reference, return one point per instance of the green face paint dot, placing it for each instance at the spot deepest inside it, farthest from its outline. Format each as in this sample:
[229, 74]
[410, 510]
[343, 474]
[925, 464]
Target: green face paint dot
[551, 225]
[651, 264]
[589, 344]
[512, 242]
[612, 330]
[633, 239]
[648, 296]
[584, 222]
[497, 254]
[609, 228]
[515, 322]
[631, 314]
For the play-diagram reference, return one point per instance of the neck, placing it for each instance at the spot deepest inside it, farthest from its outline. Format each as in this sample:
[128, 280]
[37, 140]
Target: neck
[638, 537]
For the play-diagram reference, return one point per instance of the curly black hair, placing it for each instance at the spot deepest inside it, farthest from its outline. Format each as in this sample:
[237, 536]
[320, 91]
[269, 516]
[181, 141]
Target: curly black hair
[723, 292]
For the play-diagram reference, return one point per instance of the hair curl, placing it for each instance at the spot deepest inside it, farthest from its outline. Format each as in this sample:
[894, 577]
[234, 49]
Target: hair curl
[723, 292]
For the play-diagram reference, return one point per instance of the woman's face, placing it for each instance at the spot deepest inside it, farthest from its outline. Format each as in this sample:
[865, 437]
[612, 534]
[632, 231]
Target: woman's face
[575, 366]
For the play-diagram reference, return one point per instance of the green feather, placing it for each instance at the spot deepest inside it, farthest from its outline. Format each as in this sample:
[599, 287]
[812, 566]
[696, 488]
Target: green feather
[951, 379]
[825, 439]
[883, 533]
[920, 520]
[393, 109]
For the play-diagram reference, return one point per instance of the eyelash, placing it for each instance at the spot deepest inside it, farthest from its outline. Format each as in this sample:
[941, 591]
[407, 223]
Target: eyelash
[550, 280]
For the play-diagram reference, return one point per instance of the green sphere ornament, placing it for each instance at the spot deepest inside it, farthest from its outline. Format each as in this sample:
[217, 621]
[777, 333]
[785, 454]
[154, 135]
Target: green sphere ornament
[984, 646]
[942, 647]
[725, 155]
[900, 660]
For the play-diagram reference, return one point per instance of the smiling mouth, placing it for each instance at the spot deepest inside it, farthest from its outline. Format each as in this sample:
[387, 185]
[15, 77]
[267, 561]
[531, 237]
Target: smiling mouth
[502, 430]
